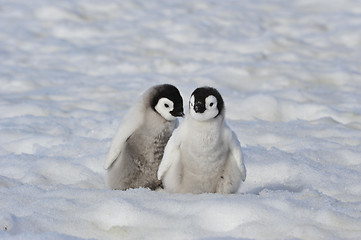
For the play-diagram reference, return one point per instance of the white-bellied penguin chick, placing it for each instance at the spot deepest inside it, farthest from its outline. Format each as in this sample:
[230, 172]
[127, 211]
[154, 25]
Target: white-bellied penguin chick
[137, 148]
[203, 155]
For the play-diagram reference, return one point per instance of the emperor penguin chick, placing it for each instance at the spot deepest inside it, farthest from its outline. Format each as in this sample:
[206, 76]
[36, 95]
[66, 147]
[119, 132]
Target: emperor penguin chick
[203, 155]
[137, 148]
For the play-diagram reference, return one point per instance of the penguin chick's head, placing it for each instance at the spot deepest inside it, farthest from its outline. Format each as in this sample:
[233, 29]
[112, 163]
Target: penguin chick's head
[167, 101]
[205, 103]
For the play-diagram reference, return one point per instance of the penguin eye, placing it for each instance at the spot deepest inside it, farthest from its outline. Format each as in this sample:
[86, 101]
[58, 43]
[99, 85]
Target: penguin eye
[166, 105]
[211, 104]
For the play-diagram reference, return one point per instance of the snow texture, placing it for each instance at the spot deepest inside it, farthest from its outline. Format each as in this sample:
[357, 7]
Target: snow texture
[290, 75]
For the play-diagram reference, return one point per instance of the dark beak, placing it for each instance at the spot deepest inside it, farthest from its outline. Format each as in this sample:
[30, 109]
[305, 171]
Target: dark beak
[199, 107]
[178, 113]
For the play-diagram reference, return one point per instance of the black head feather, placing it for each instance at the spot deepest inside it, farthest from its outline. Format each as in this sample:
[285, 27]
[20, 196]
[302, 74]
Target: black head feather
[200, 95]
[172, 93]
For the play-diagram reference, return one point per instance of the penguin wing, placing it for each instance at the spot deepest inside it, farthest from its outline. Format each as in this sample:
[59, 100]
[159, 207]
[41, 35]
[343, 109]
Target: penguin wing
[171, 153]
[131, 122]
[235, 151]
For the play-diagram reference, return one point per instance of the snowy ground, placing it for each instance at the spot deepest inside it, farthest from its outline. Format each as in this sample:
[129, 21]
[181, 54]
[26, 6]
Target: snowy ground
[289, 72]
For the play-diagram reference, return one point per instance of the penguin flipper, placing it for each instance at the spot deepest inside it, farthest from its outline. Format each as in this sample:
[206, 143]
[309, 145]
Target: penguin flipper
[236, 152]
[131, 122]
[234, 170]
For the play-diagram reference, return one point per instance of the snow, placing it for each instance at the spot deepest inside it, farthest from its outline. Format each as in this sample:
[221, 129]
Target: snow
[289, 72]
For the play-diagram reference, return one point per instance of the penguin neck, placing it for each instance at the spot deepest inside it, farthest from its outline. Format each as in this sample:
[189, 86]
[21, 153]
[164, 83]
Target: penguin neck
[214, 123]
[204, 136]
[154, 119]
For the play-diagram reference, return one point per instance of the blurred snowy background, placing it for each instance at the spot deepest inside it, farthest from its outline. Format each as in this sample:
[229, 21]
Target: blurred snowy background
[290, 74]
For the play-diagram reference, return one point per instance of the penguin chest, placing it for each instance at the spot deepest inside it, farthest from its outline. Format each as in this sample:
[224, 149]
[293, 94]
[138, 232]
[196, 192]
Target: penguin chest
[203, 159]
[205, 145]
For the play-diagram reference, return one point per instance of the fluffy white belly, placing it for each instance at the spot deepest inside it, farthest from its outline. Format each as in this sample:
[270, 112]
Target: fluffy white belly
[203, 159]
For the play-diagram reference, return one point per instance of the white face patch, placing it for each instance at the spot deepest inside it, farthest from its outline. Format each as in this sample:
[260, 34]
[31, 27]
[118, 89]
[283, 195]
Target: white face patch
[191, 102]
[210, 112]
[164, 107]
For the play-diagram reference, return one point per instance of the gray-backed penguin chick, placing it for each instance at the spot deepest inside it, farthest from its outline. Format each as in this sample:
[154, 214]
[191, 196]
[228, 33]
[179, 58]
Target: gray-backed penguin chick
[203, 155]
[137, 148]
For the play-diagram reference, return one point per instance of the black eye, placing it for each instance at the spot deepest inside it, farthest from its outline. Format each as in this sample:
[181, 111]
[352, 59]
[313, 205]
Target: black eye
[211, 104]
[166, 105]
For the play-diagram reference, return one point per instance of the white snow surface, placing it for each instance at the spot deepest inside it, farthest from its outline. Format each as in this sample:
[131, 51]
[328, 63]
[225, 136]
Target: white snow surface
[290, 75]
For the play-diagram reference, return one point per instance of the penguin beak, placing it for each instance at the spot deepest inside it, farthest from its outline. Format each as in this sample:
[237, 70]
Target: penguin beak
[177, 113]
[199, 107]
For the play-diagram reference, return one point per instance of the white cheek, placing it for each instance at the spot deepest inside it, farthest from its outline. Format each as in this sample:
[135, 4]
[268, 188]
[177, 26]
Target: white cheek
[165, 114]
[191, 102]
[164, 111]
[211, 100]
